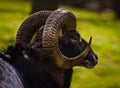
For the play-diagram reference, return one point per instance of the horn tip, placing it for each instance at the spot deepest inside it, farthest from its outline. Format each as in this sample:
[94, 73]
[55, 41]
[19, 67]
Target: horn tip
[90, 40]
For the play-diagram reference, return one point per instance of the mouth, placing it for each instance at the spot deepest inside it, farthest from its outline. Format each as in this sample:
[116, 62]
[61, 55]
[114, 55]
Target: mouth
[88, 64]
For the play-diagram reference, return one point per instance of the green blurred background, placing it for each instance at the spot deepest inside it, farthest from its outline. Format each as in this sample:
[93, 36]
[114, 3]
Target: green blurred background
[101, 25]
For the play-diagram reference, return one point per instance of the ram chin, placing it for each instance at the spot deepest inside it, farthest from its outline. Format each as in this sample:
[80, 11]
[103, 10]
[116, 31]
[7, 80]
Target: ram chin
[90, 66]
[87, 64]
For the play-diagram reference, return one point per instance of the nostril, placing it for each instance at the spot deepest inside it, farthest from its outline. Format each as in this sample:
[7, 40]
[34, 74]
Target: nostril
[95, 60]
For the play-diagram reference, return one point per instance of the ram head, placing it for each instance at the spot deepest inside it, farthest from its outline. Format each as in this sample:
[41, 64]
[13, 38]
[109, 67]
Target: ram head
[58, 38]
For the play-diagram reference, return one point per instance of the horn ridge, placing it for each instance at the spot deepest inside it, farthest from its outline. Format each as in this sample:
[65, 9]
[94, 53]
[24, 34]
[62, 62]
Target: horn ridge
[30, 26]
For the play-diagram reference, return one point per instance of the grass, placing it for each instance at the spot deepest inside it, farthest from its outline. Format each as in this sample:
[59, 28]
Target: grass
[11, 16]
[102, 27]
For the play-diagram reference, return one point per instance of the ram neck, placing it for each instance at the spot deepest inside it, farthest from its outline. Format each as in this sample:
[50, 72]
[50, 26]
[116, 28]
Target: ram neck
[56, 73]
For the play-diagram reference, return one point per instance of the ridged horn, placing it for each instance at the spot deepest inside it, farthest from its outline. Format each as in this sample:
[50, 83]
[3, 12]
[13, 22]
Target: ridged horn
[30, 26]
[60, 19]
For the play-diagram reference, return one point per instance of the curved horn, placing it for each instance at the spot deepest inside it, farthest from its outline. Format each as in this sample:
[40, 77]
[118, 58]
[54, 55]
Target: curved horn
[60, 19]
[30, 26]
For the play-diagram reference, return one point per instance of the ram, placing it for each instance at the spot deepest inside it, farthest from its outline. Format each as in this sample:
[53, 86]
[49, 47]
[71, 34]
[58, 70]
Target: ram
[45, 61]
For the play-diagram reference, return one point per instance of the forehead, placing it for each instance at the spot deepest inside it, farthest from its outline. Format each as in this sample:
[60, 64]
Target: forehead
[71, 33]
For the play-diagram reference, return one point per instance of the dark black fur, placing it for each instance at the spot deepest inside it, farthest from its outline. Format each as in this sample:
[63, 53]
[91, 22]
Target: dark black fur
[67, 78]
[32, 75]
[39, 72]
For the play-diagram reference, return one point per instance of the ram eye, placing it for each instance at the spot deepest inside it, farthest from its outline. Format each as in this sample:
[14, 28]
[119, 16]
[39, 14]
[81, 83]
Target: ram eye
[74, 40]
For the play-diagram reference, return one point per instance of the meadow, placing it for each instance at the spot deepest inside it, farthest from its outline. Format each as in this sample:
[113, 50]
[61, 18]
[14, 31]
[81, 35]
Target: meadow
[103, 27]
